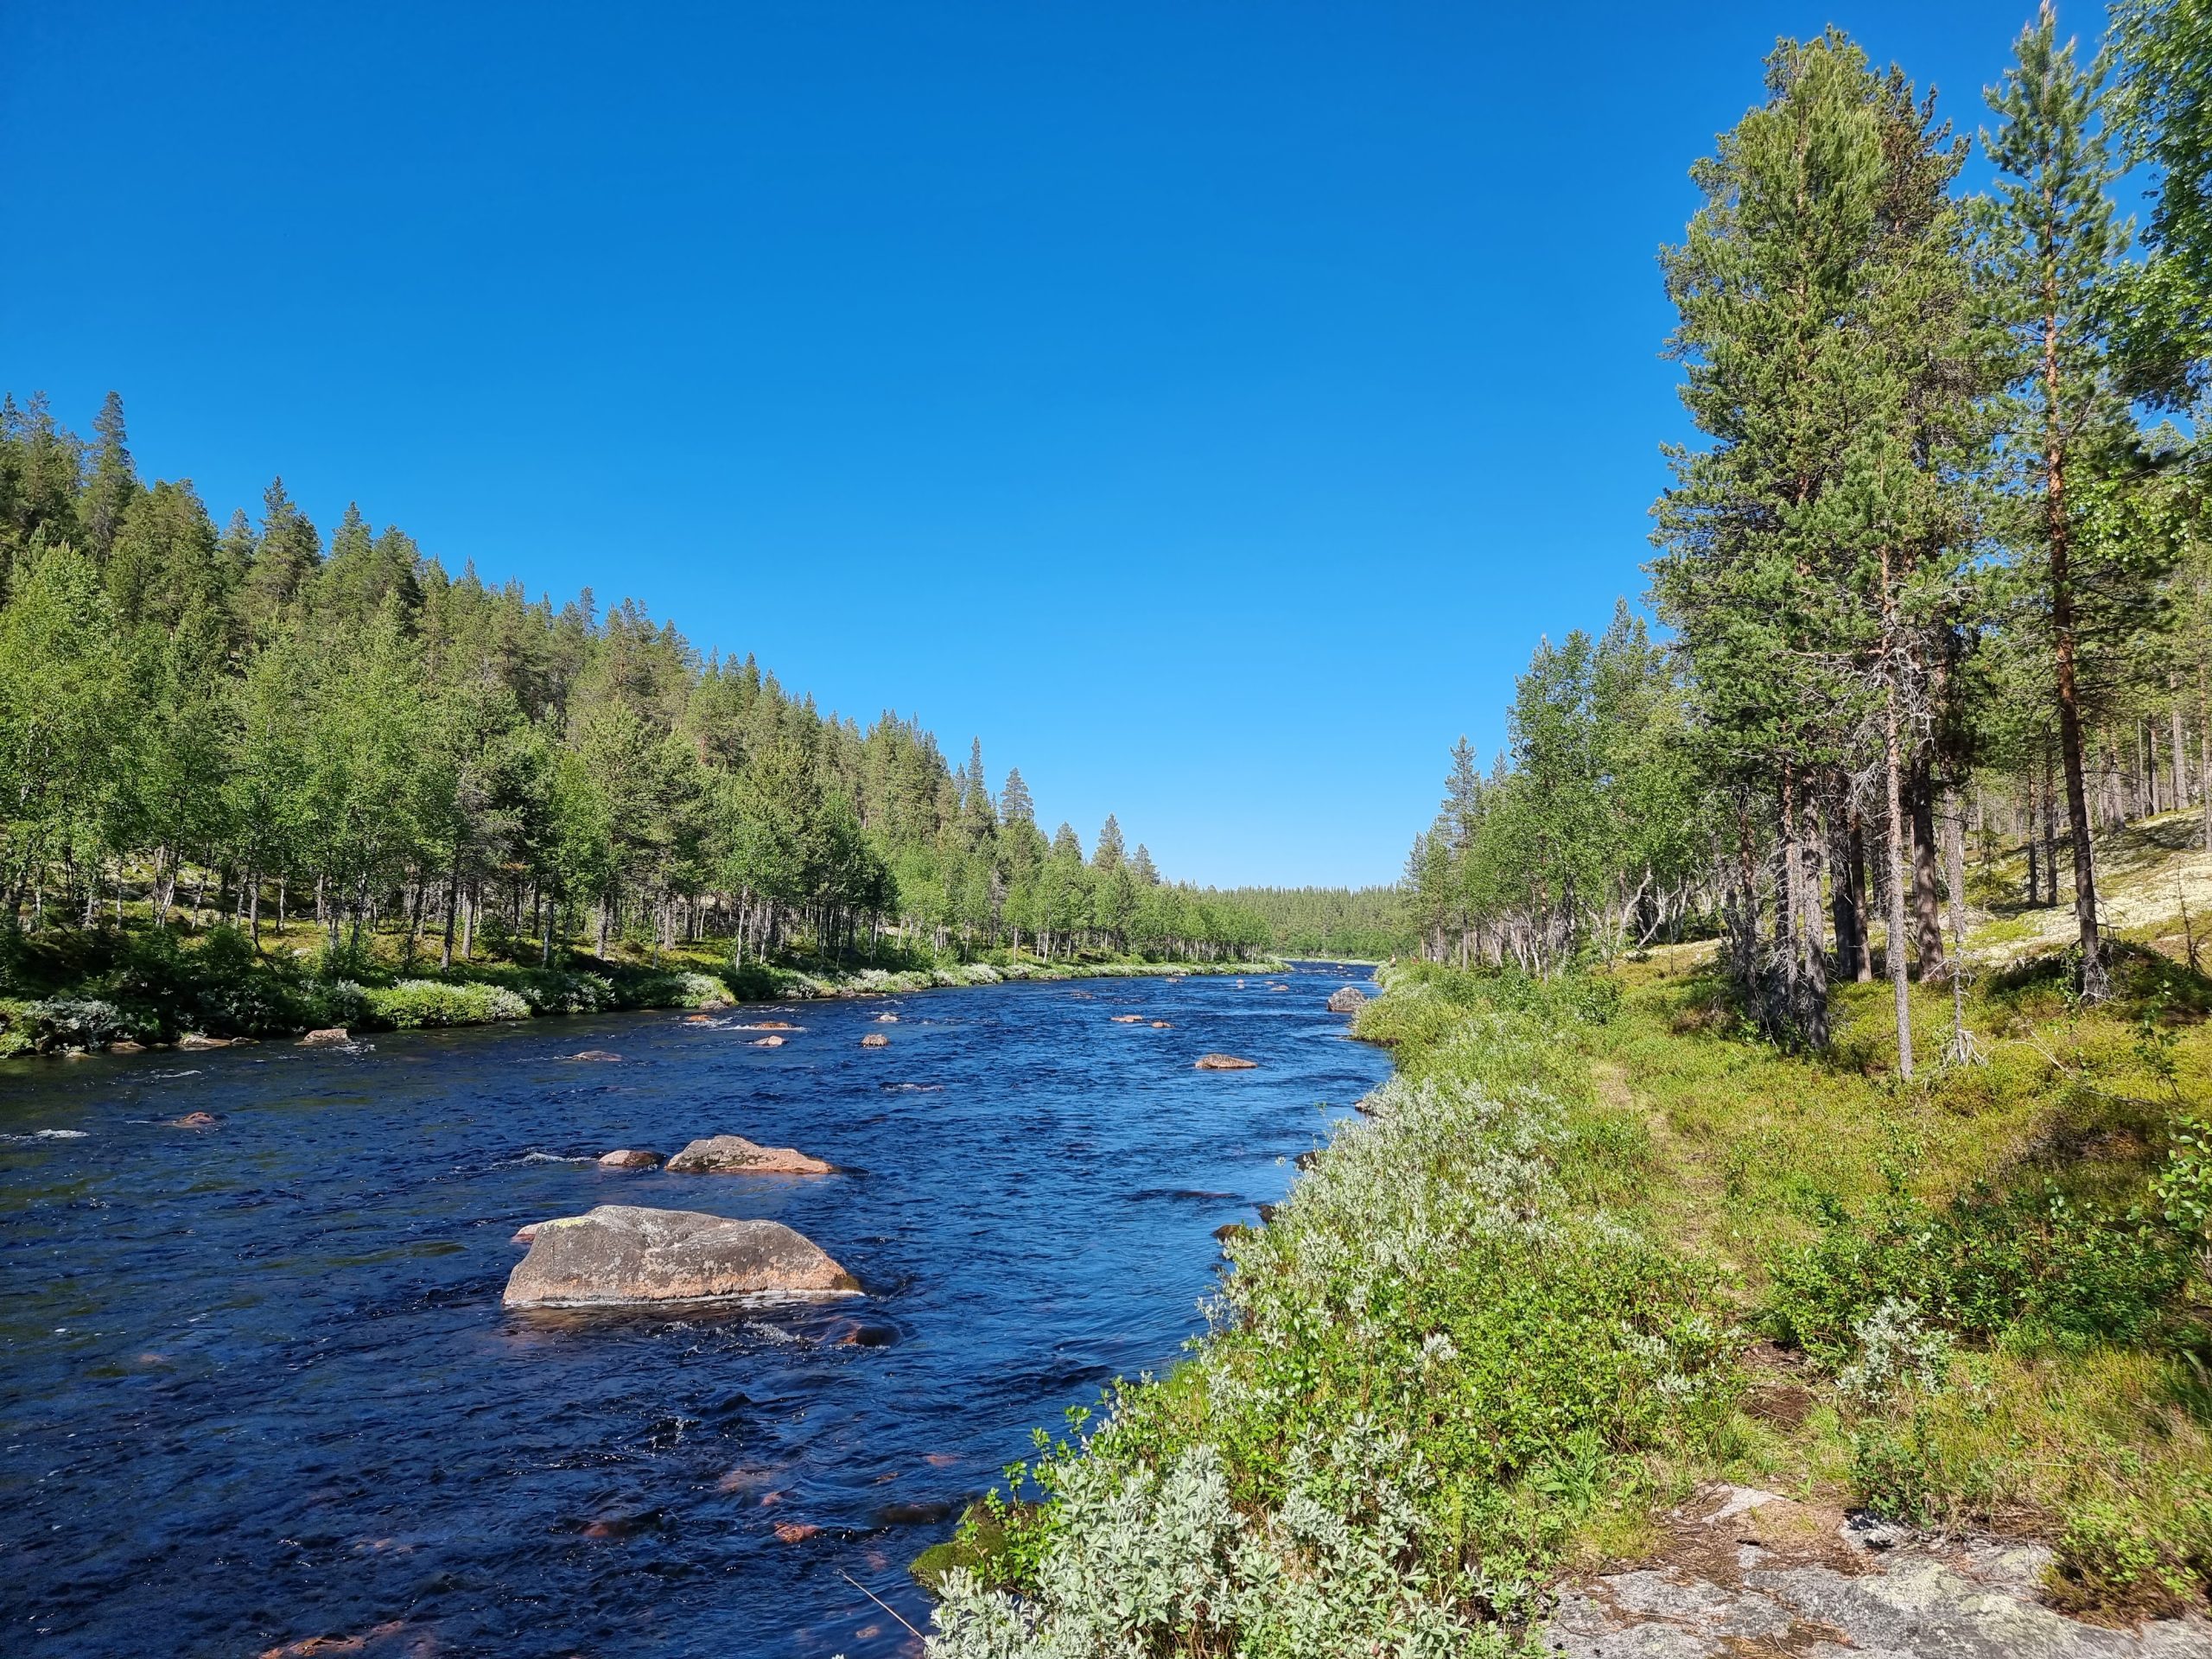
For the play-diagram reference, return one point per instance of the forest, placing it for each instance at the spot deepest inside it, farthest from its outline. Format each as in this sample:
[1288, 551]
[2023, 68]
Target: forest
[249, 727]
[1937, 582]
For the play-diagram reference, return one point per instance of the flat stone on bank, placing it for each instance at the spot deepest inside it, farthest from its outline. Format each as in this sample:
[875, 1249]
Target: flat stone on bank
[620, 1256]
[732, 1155]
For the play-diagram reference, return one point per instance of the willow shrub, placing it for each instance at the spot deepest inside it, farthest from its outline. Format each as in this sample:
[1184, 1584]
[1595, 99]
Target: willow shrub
[1445, 1353]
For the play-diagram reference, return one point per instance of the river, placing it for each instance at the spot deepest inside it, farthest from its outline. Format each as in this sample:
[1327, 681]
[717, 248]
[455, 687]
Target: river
[258, 1388]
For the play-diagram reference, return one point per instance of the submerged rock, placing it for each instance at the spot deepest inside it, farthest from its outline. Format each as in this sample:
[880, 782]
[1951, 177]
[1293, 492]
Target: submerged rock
[195, 1121]
[1222, 1063]
[600, 1055]
[1351, 999]
[328, 1037]
[622, 1256]
[886, 1019]
[1129, 1019]
[732, 1155]
[628, 1158]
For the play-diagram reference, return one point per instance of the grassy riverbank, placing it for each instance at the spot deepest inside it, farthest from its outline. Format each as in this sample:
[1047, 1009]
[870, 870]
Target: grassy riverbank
[1595, 1247]
[92, 989]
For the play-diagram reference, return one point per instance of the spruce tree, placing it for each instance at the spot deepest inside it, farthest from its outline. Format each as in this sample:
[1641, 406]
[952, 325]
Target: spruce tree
[112, 484]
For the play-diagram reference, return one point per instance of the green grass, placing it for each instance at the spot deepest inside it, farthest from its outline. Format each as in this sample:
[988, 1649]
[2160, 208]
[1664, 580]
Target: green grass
[1597, 1247]
[1975, 1275]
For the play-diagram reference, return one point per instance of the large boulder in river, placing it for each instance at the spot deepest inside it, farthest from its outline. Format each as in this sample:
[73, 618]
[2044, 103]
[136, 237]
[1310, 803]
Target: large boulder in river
[732, 1155]
[1351, 999]
[620, 1256]
[328, 1037]
[1222, 1063]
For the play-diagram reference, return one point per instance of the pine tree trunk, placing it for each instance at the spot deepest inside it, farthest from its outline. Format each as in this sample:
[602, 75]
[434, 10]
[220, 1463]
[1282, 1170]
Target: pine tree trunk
[1892, 760]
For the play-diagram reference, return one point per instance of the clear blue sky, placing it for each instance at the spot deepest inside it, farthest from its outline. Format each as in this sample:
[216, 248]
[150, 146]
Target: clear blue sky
[1207, 404]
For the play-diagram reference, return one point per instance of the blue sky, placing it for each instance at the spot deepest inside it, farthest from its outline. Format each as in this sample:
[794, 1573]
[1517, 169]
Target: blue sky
[1208, 405]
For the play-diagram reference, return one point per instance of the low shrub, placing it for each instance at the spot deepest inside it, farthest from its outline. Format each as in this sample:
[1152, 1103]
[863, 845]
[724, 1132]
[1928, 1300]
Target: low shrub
[416, 1002]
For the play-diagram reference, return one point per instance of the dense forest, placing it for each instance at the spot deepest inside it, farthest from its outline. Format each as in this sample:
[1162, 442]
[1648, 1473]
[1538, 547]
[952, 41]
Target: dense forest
[246, 725]
[1938, 580]
[1368, 923]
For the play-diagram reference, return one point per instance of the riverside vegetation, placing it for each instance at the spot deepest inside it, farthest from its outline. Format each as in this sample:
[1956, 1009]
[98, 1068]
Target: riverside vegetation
[256, 784]
[1667, 1189]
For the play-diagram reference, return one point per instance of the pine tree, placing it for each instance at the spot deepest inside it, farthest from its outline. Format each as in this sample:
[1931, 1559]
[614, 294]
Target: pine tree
[2054, 243]
[1014, 804]
[286, 553]
[2163, 113]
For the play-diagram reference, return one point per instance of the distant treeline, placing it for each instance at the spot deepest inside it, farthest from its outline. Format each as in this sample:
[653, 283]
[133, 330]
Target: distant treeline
[1369, 923]
[247, 722]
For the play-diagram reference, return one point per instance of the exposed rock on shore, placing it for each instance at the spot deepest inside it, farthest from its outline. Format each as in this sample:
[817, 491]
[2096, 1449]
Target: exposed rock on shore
[622, 1256]
[732, 1155]
[1762, 1573]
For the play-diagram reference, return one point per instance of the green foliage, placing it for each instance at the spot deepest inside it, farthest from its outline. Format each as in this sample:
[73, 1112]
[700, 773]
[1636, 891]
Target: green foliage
[1446, 1352]
[414, 1002]
[2029, 1268]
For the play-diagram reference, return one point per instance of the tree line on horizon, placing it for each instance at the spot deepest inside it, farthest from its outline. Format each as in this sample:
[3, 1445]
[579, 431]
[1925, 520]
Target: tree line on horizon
[249, 723]
[1941, 563]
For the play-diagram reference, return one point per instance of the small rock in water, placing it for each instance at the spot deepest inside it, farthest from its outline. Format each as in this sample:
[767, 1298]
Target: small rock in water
[886, 1019]
[629, 1158]
[1231, 1230]
[124, 1045]
[869, 1336]
[527, 1232]
[1222, 1063]
[697, 1019]
[328, 1037]
[1129, 1019]
[1307, 1160]
[772, 1025]
[767, 1042]
[1161, 1025]
[795, 1532]
[732, 1155]
[876, 1040]
[598, 1054]
[195, 1121]
[195, 1042]
[620, 1256]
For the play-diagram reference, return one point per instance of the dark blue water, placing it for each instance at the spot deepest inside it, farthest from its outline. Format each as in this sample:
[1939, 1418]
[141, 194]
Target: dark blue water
[256, 1385]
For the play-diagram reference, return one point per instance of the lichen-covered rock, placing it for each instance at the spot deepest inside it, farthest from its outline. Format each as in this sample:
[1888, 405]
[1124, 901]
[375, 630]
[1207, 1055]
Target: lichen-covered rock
[1222, 1063]
[1351, 999]
[623, 1255]
[732, 1155]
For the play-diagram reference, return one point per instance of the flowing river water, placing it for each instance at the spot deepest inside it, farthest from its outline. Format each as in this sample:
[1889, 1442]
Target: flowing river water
[256, 1387]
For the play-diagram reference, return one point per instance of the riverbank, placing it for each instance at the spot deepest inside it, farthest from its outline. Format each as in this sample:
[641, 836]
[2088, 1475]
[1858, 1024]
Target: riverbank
[1592, 1260]
[148, 990]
